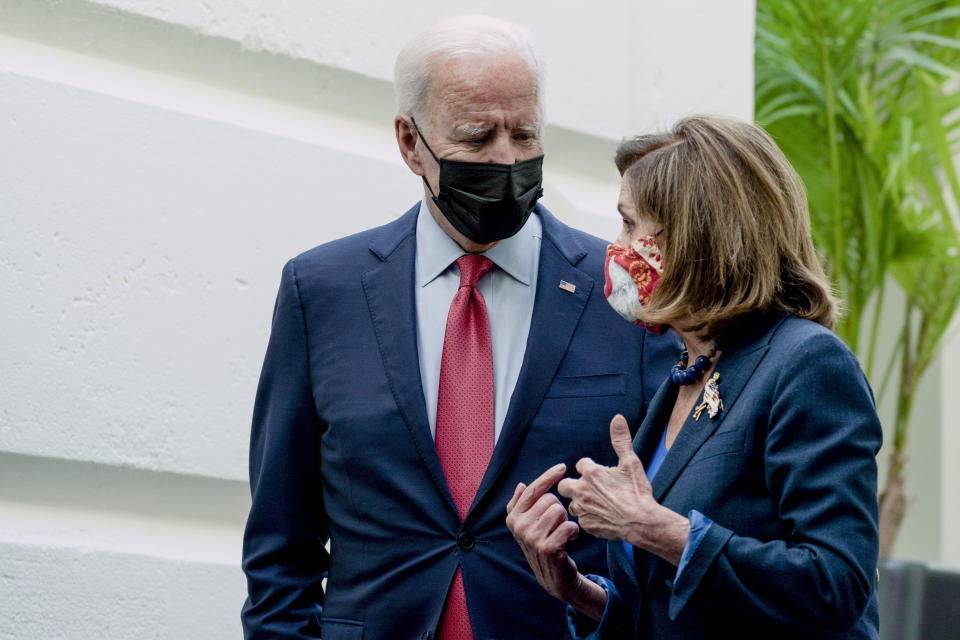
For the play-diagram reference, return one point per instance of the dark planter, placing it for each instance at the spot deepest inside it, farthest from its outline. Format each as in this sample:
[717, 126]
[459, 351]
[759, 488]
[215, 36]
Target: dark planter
[918, 601]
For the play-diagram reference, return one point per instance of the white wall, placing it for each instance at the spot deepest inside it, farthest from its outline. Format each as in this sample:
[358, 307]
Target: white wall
[160, 161]
[948, 446]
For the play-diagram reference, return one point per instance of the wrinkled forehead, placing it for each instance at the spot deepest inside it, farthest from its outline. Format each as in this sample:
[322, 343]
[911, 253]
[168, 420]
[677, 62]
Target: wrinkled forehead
[476, 84]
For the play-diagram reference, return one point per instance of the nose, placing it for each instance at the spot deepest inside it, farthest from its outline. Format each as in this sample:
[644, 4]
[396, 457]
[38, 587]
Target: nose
[502, 150]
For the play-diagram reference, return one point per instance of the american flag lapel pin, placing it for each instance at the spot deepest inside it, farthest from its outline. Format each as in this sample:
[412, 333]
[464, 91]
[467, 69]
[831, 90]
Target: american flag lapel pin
[568, 287]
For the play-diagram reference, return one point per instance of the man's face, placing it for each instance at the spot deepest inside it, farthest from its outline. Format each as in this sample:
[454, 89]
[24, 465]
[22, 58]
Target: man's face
[480, 110]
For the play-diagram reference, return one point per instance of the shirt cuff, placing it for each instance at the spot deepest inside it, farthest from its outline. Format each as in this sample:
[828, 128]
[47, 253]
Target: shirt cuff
[582, 627]
[699, 525]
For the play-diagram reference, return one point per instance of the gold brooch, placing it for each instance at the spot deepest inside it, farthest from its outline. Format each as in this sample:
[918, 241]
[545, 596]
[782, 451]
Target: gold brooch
[711, 398]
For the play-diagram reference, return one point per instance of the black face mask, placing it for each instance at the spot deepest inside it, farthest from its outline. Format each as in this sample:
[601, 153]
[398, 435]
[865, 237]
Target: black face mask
[486, 201]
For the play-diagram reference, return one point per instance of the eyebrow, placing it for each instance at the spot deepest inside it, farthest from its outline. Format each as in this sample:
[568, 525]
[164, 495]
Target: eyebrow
[470, 131]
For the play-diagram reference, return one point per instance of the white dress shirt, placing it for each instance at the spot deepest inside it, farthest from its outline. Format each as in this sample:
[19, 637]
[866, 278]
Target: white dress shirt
[508, 289]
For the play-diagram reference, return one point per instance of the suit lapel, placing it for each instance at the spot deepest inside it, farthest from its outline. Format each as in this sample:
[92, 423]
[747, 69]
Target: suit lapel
[658, 413]
[736, 365]
[619, 562]
[556, 313]
[389, 290]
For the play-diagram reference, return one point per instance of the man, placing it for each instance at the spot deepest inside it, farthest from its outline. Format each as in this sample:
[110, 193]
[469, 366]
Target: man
[418, 371]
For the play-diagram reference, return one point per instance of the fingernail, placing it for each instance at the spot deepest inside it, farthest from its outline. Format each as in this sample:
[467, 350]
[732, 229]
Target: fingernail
[557, 467]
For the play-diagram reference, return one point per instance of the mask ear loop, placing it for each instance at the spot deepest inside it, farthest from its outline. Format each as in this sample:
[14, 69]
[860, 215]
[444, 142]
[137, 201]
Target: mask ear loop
[424, 141]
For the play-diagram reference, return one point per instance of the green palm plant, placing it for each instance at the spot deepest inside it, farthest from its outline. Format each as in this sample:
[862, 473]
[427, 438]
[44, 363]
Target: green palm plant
[864, 99]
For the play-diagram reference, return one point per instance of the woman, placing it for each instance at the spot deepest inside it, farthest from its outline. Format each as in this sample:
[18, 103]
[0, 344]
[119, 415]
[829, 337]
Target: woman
[746, 505]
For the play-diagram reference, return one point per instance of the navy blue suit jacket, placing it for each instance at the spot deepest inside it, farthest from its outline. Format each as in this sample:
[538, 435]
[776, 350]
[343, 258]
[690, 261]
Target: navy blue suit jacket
[341, 447]
[787, 473]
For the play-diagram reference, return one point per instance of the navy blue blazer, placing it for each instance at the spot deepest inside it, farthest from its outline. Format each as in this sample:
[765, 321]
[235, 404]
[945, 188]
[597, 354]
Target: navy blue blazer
[341, 447]
[787, 473]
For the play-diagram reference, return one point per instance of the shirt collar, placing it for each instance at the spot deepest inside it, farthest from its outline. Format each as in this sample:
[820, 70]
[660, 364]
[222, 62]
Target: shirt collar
[436, 250]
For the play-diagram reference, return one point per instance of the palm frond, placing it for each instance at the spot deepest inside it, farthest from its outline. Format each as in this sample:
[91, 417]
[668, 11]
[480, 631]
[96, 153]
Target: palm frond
[864, 99]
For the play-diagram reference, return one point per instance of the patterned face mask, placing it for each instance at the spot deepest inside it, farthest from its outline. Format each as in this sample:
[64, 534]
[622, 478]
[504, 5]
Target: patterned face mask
[632, 275]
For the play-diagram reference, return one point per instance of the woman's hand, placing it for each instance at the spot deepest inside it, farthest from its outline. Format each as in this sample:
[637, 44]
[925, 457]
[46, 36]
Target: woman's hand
[617, 503]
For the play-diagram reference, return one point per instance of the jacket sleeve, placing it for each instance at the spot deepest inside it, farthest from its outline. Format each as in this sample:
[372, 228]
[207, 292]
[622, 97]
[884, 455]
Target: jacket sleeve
[820, 450]
[615, 622]
[284, 557]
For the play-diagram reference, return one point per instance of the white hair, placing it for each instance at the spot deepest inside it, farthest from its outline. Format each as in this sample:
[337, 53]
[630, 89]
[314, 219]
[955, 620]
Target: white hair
[462, 36]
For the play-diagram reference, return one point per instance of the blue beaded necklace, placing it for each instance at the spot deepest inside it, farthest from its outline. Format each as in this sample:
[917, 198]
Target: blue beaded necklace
[683, 375]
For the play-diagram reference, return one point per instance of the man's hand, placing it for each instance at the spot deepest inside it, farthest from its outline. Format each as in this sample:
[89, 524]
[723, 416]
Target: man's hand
[617, 503]
[539, 523]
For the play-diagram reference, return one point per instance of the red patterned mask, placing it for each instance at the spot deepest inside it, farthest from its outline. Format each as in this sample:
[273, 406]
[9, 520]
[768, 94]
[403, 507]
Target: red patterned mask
[632, 275]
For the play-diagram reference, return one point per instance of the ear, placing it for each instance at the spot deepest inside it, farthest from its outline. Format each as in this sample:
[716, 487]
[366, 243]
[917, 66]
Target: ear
[407, 138]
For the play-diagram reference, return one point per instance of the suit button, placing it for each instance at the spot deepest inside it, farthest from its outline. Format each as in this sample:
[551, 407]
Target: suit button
[465, 541]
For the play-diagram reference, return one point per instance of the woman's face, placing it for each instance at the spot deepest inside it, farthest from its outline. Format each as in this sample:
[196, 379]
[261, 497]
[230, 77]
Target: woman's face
[636, 224]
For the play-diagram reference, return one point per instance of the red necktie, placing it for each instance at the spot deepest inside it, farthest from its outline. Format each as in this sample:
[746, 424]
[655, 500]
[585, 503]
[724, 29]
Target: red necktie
[465, 414]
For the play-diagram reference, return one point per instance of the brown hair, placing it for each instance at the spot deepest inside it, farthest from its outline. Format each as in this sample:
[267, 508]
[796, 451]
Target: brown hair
[736, 228]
